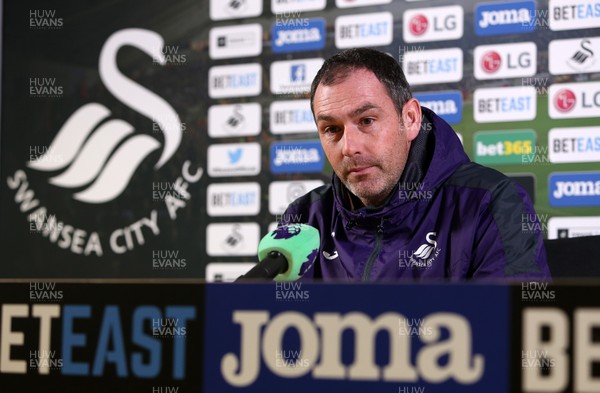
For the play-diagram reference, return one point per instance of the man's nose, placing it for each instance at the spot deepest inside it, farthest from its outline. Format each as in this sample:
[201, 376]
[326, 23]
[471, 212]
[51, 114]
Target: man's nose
[353, 140]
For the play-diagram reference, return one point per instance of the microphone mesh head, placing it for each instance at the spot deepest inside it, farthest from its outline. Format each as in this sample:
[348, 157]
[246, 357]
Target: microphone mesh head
[298, 243]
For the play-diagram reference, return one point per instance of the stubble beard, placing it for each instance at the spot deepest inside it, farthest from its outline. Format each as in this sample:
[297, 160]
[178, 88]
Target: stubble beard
[373, 189]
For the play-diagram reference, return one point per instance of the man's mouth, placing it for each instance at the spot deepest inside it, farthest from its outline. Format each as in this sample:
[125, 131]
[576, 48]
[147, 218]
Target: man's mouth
[359, 170]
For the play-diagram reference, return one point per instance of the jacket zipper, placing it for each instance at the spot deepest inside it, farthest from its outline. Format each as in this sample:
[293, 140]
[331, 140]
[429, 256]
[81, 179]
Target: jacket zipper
[369, 265]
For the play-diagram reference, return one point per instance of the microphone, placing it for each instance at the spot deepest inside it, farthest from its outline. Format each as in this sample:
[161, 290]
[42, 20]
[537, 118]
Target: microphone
[285, 254]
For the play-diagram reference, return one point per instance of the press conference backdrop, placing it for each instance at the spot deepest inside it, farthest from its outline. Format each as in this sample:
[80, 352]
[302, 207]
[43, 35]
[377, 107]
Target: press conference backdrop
[153, 139]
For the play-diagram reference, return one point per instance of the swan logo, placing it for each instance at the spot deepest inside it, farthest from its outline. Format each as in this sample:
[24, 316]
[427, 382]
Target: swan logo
[96, 156]
[103, 155]
[426, 249]
[583, 57]
[423, 257]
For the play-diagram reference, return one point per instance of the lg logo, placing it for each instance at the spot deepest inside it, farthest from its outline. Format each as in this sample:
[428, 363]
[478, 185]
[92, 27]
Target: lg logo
[565, 100]
[419, 24]
[505, 60]
[433, 24]
[490, 62]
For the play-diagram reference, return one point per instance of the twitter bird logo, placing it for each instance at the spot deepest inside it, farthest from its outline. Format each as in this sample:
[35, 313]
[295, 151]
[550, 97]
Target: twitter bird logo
[234, 155]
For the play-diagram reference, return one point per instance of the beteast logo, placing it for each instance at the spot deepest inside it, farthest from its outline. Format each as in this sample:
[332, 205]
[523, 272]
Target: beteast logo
[505, 104]
[240, 80]
[92, 354]
[106, 155]
[291, 116]
[374, 29]
[574, 14]
[233, 199]
[574, 144]
[433, 24]
[433, 66]
[505, 18]
[101, 154]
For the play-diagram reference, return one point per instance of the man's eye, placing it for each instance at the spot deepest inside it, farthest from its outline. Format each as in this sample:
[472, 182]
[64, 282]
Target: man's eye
[367, 121]
[331, 129]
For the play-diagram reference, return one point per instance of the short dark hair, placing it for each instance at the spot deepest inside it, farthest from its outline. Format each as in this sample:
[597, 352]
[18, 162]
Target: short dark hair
[387, 70]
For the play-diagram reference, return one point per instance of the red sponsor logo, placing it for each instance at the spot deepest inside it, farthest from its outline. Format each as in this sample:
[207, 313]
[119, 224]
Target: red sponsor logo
[418, 24]
[564, 100]
[491, 61]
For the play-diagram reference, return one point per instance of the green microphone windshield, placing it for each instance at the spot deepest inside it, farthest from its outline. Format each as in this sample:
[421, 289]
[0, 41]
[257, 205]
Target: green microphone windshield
[298, 243]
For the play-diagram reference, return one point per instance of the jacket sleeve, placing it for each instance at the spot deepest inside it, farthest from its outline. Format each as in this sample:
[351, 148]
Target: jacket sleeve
[508, 241]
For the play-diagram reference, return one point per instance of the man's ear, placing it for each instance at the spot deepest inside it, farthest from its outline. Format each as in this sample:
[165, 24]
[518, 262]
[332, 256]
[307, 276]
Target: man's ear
[411, 118]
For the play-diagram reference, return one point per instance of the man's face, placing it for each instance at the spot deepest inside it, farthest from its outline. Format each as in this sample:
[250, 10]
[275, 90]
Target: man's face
[363, 136]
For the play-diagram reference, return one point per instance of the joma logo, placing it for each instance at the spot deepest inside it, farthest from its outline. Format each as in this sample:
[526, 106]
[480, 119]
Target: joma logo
[321, 338]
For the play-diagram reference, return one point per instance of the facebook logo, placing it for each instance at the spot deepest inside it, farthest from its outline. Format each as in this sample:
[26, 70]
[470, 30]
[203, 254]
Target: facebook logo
[298, 72]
